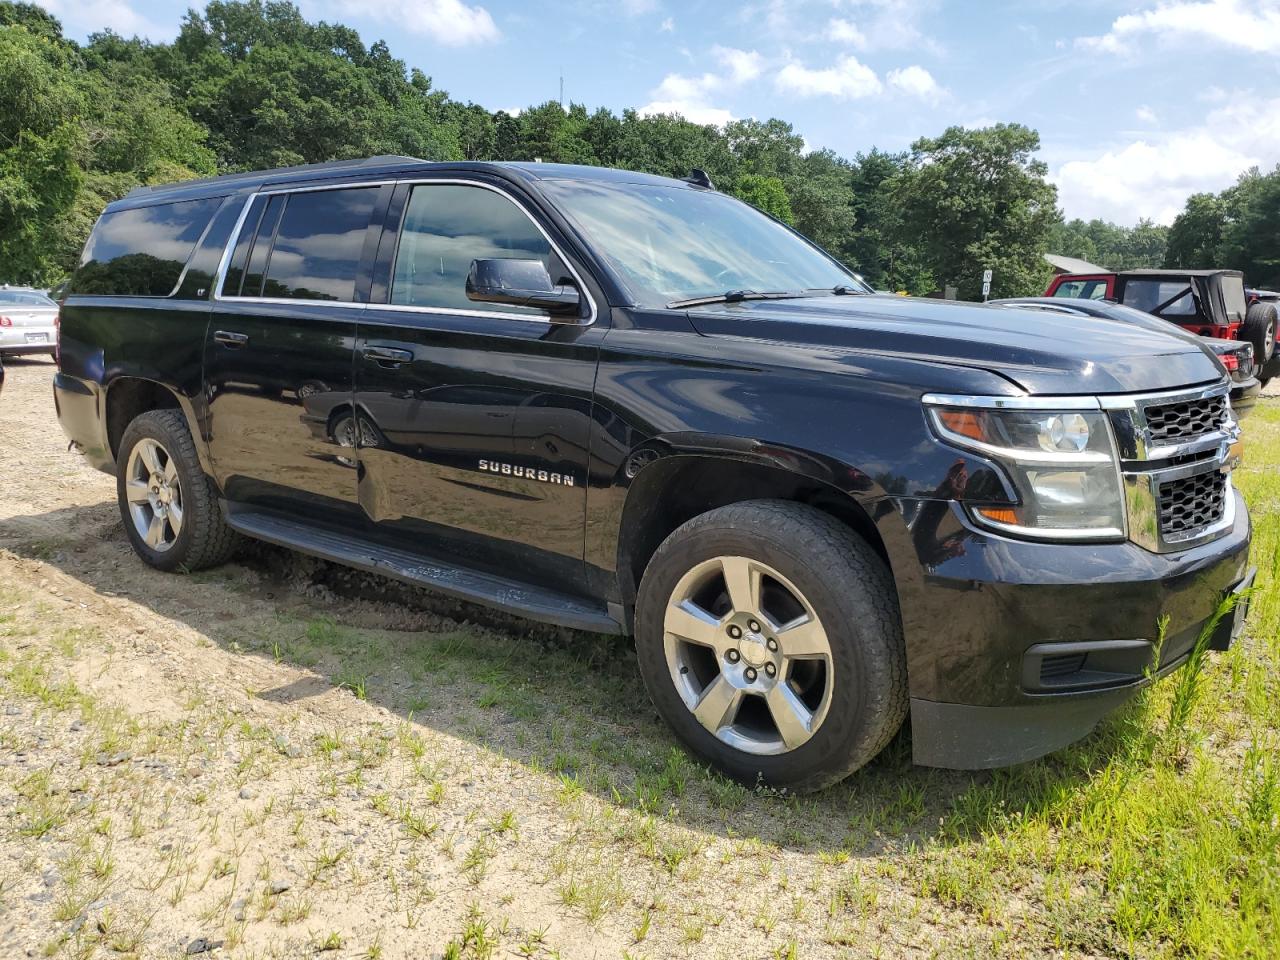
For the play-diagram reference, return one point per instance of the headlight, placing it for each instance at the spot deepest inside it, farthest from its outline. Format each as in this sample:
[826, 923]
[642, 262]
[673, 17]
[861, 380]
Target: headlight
[1062, 463]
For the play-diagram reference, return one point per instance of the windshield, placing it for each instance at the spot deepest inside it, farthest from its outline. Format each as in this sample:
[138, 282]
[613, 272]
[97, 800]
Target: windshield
[25, 299]
[671, 243]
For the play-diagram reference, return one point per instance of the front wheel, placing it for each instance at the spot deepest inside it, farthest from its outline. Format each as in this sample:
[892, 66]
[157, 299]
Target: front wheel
[769, 638]
[169, 506]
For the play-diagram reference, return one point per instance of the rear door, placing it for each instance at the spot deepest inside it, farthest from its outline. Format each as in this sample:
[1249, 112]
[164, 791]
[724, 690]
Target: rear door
[475, 418]
[279, 349]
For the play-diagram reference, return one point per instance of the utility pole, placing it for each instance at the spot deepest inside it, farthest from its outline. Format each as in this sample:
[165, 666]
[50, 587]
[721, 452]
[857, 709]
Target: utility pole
[562, 88]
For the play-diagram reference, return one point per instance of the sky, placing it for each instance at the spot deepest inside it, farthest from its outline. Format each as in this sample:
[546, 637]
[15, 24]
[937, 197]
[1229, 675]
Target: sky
[1138, 104]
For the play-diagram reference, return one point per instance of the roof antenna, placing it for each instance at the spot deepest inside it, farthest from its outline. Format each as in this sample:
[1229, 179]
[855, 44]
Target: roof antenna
[698, 177]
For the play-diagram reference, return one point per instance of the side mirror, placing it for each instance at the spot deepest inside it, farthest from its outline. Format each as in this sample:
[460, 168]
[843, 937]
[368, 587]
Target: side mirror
[522, 283]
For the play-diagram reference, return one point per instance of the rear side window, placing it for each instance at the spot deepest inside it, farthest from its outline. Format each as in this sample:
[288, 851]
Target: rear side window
[446, 227]
[142, 252]
[317, 247]
[301, 246]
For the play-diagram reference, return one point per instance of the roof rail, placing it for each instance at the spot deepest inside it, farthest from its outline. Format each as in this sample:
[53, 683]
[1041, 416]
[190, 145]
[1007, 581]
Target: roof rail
[231, 178]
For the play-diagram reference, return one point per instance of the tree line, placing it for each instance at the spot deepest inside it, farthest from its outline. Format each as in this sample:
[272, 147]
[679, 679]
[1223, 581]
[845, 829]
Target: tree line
[251, 85]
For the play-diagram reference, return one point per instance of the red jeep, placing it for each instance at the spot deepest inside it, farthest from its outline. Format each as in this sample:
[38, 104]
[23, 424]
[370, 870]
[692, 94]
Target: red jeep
[1211, 303]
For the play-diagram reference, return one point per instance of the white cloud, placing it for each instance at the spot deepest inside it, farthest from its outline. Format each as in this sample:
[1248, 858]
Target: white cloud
[635, 8]
[91, 16]
[743, 65]
[690, 96]
[1252, 25]
[448, 22]
[668, 26]
[1152, 176]
[1145, 114]
[915, 81]
[849, 79]
[846, 31]
[693, 112]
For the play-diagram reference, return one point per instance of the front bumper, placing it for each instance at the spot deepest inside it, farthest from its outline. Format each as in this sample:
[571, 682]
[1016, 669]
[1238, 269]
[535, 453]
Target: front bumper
[1016, 649]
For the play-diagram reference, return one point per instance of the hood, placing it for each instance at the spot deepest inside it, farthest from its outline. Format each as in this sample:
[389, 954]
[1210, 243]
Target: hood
[1042, 353]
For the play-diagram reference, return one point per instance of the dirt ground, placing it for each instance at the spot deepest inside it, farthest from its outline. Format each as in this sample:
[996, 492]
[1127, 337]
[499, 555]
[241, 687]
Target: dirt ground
[278, 759]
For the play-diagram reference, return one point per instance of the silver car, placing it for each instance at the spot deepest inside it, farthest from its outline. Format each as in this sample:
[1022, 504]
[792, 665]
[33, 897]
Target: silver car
[28, 322]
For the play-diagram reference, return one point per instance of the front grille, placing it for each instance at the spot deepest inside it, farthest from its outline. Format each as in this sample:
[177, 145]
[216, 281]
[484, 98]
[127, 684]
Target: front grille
[1185, 419]
[1189, 505]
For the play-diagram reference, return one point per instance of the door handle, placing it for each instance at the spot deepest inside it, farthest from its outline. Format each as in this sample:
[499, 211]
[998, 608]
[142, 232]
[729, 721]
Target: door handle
[229, 338]
[388, 356]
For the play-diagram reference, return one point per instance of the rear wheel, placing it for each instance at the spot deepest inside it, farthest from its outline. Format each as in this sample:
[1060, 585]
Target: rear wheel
[1260, 330]
[169, 506]
[769, 638]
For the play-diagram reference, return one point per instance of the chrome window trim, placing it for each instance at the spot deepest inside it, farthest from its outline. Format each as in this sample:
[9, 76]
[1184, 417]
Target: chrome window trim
[220, 277]
[592, 314]
[229, 249]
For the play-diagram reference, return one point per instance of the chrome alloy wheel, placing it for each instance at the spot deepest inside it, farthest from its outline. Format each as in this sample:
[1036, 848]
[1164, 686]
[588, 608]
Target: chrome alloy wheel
[154, 494]
[748, 655]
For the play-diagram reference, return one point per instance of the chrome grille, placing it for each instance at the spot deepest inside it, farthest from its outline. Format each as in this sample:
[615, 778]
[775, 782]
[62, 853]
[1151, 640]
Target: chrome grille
[1185, 420]
[1191, 504]
[1177, 450]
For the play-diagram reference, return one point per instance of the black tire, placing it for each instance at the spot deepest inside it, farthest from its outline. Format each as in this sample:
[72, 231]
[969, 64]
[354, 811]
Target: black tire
[852, 592]
[204, 539]
[1260, 330]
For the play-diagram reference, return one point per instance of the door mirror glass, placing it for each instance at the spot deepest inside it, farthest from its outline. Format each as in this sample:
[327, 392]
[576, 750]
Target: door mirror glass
[522, 283]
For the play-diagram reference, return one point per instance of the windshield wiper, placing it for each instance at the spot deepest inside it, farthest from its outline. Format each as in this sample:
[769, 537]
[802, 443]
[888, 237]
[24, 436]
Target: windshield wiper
[737, 296]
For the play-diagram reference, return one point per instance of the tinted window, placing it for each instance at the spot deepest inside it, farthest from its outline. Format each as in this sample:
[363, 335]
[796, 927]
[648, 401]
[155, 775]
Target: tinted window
[261, 249]
[446, 227]
[318, 244]
[141, 252]
[25, 299]
[1147, 295]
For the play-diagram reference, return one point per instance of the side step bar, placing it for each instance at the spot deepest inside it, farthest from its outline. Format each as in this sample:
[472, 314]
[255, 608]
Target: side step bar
[500, 593]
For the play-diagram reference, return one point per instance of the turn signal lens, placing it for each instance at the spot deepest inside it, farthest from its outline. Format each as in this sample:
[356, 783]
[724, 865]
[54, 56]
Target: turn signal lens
[966, 423]
[1006, 515]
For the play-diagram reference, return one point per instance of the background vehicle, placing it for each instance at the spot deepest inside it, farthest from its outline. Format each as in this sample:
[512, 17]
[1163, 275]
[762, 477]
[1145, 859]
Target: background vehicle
[635, 405]
[28, 322]
[1236, 356]
[1211, 303]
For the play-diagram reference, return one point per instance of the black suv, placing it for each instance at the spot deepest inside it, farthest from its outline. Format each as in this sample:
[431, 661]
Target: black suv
[634, 405]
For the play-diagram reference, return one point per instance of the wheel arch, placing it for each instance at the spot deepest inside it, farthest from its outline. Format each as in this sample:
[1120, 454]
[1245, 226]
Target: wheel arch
[127, 396]
[672, 489]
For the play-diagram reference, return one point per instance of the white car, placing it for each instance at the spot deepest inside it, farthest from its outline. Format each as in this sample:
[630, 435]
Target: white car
[28, 322]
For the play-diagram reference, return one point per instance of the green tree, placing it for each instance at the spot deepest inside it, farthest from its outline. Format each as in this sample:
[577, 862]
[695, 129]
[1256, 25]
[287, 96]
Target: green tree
[975, 200]
[42, 147]
[1196, 234]
[1251, 235]
[766, 193]
[878, 246]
